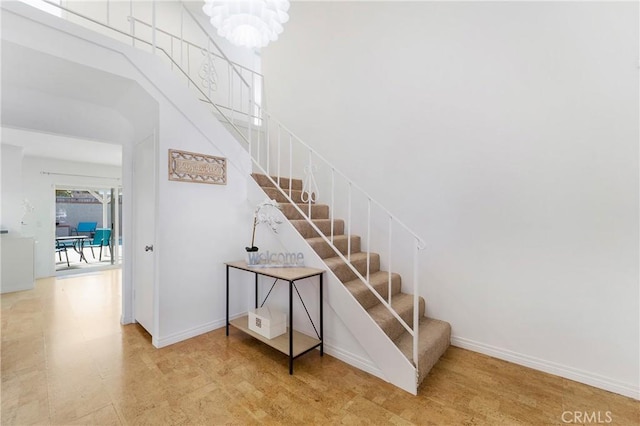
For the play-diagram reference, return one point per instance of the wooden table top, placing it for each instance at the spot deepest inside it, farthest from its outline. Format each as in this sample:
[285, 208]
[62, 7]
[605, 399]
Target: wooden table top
[288, 274]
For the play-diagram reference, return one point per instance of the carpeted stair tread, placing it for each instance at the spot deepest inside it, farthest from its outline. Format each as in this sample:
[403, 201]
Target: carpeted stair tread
[358, 260]
[263, 181]
[341, 242]
[275, 194]
[403, 305]
[305, 229]
[318, 211]
[380, 282]
[433, 340]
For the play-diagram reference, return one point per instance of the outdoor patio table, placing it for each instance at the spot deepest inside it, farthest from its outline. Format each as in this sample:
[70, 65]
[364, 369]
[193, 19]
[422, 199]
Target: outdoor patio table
[78, 244]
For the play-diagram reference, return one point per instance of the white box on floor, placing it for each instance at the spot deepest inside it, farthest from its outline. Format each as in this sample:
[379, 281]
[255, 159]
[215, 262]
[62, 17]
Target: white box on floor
[267, 322]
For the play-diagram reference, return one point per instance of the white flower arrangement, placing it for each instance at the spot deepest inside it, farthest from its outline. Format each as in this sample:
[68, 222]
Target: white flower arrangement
[264, 213]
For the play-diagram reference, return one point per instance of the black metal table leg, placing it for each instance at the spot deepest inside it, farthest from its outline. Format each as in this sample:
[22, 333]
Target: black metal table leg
[227, 293]
[79, 248]
[290, 327]
[256, 290]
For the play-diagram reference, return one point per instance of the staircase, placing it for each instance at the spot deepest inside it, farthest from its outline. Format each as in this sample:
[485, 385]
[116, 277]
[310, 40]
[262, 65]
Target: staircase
[434, 336]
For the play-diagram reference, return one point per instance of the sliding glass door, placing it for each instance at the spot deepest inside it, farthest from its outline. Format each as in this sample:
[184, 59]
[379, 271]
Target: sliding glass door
[95, 215]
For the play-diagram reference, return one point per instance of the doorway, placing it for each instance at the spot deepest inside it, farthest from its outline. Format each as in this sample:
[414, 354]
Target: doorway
[88, 229]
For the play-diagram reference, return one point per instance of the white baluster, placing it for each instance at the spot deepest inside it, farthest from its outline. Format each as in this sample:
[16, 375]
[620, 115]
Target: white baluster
[390, 256]
[416, 318]
[278, 161]
[208, 70]
[290, 162]
[250, 123]
[349, 223]
[240, 106]
[231, 96]
[259, 136]
[310, 189]
[133, 24]
[153, 26]
[333, 184]
[368, 237]
[171, 38]
[268, 145]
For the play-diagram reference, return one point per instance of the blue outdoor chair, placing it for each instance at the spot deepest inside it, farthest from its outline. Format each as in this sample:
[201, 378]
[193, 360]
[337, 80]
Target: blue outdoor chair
[85, 228]
[101, 238]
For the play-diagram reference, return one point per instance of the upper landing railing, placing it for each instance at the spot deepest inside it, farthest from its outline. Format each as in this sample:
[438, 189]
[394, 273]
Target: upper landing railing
[235, 93]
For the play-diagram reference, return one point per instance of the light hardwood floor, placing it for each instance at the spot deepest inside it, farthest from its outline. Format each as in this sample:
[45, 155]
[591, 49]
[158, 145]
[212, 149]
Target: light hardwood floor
[66, 360]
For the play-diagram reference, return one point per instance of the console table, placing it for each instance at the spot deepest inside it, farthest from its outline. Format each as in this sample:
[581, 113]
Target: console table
[292, 343]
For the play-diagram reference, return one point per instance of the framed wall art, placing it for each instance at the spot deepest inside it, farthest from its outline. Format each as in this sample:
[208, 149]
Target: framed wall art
[197, 168]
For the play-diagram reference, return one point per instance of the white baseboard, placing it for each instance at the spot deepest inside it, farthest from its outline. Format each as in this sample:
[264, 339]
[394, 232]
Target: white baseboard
[571, 373]
[193, 332]
[188, 334]
[126, 320]
[353, 360]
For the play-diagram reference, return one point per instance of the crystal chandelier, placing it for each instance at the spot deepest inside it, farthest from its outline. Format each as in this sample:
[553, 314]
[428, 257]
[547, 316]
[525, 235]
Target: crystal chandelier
[248, 23]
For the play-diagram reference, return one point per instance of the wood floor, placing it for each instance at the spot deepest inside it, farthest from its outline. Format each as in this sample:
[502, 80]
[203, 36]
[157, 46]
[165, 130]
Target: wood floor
[65, 360]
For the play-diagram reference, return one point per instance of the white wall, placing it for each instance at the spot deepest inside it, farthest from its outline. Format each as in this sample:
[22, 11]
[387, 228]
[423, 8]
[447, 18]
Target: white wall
[11, 210]
[506, 135]
[200, 226]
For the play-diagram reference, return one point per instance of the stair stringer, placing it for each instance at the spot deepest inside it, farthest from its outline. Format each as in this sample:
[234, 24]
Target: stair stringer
[391, 363]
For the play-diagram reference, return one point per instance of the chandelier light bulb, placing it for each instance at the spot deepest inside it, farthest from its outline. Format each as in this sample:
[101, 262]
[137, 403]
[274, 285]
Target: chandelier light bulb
[248, 23]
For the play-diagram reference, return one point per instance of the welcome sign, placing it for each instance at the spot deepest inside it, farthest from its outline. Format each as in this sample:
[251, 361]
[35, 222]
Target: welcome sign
[275, 260]
[199, 168]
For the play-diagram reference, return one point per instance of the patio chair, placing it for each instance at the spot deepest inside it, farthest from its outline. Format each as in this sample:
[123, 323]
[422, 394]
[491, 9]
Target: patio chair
[84, 228]
[62, 248]
[101, 238]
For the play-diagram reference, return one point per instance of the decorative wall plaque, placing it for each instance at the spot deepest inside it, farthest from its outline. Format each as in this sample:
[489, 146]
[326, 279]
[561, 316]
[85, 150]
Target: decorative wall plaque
[191, 167]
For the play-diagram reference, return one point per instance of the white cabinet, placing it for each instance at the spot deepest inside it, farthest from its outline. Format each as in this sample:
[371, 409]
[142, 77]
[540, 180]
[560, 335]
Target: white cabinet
[16, 263]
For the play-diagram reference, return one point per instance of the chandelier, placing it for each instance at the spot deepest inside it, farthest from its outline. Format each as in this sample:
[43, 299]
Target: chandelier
[248, 23]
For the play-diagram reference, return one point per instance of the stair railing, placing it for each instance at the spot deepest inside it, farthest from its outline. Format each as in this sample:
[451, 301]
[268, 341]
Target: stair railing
[226, 111]
[280, 145]
[293, 156]
[208, 75]
[238, 93]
